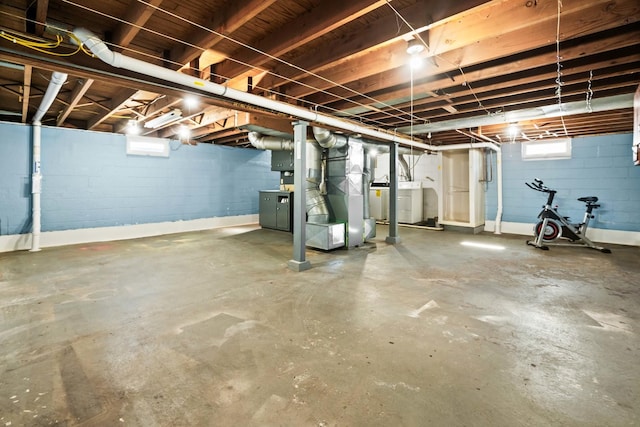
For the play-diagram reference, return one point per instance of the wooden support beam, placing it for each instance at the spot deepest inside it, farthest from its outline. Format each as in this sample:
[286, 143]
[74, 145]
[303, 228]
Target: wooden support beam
[237, 120]
[77, 93]
[427, 82]
[26, 92]
[329, 15]
[42, 7]
[525, 86]
[137, 15]
[377, 33]
[114, 104]
[238, 13]
[496, 45]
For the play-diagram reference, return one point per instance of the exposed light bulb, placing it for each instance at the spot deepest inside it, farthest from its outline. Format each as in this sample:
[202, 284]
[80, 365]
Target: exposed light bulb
[190, 101]
[133, 128]
[513, 130]
[415, 62]
[184, 132]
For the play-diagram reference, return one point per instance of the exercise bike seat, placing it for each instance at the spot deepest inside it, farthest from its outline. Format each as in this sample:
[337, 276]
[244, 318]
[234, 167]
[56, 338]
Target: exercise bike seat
[591, 199]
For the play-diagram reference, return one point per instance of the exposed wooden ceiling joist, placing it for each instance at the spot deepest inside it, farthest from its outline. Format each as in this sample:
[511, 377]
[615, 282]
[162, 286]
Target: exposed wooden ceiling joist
[236, 15]
[484, 56]
[26, 92]
[135, 18]
[81, 87]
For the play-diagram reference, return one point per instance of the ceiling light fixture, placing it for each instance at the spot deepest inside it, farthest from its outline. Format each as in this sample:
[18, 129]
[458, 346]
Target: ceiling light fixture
[184, 132]
[414, 47]
[164, 119]
[415, 62]
[190, 101]
[132, 127]
[513, 130]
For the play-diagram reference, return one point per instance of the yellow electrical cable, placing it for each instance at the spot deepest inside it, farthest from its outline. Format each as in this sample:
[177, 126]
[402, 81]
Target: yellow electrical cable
[80, 44]
[30, 43]
[43, 46]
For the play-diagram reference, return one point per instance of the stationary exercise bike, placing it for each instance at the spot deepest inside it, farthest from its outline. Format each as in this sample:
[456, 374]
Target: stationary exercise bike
[553, 226]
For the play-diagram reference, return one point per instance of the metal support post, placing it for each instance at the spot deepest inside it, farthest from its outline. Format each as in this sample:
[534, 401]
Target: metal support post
[393, 237]
[299, 263]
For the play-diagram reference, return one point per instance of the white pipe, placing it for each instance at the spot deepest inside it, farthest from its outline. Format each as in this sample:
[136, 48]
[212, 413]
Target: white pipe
[36, 186]
[116, 59]
[57, 80]
[614, 102]
[499, 184]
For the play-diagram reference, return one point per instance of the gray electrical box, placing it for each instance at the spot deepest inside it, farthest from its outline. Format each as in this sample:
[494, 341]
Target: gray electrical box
[276, 210]
[282, 160]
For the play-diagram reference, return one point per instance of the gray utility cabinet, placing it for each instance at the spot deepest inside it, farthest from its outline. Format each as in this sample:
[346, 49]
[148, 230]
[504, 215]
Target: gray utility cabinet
[276, 210]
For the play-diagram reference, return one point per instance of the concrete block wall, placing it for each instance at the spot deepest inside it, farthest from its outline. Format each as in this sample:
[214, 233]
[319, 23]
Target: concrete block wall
[89, 181]
[600, 166]
[15, 179]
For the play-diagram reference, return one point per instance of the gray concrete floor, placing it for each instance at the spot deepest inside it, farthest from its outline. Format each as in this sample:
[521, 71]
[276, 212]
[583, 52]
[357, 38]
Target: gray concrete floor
[212, 329]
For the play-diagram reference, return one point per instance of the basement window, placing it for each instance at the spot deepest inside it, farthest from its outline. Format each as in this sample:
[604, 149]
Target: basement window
[552, 149]
[147, 146]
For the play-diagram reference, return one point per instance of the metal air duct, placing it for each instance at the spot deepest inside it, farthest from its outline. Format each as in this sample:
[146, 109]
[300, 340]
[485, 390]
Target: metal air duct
[270, 142]
[327, 139]
[316, 204]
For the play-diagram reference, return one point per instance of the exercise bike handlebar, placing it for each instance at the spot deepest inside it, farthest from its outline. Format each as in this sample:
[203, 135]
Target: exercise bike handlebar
[538, 185]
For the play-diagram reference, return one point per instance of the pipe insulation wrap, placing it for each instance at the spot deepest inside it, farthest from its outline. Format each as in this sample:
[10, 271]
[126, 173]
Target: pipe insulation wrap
[116, 59]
